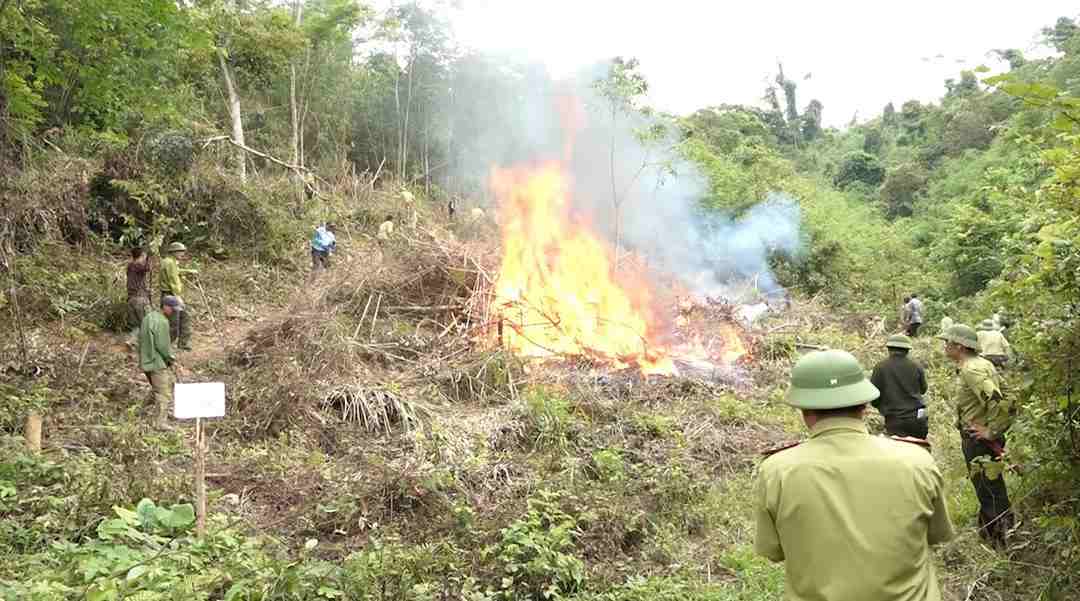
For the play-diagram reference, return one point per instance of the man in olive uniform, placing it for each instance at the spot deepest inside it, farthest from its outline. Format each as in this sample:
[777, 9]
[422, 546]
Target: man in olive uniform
[138, 289]
[993, 344]
[852, 515]
[156, 356]
[172, 285]
[984, 416]
[902, 383]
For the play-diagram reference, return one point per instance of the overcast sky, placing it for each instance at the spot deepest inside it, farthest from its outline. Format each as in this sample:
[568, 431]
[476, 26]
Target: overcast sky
[855, 55]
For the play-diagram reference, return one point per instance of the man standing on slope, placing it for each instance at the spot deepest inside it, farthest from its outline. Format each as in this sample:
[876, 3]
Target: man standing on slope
[993, 344]
[323, 244]
[915, 315]
[138, 289]
[852, 515]
[984, 416]
[902, 383]
[172, 285]
[156, 355]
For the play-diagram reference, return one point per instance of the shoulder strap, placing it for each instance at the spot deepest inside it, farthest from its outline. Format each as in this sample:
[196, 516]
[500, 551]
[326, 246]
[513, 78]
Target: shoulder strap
[783, 447]
[922, 442]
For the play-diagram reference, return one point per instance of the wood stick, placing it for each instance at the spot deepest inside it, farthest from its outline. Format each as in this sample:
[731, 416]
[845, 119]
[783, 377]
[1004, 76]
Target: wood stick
[200, 478]
[375, 316]
[32, 432]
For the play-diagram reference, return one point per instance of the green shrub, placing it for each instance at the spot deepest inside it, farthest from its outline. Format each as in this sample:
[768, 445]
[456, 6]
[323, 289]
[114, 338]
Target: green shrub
[536, 553]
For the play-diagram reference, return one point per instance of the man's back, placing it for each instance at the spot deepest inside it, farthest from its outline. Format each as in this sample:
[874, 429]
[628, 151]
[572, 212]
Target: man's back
[915, 311]
[853, 516]
[902, 384]
[993, 343]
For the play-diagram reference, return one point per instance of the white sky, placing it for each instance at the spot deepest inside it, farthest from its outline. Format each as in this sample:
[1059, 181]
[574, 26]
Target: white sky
[859, 54]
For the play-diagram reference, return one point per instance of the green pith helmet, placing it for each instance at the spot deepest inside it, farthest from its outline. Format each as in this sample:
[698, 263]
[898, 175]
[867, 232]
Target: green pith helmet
[898, 341]
[963, 335]
[986, 324]
[829, 380]
[176, 247]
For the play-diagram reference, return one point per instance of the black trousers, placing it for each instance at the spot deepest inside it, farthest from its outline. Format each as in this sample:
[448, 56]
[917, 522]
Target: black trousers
[907, 426]
[913, 329]
[995, 511]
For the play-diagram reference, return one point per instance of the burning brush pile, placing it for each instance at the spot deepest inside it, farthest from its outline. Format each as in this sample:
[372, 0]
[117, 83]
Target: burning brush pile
[560, 293]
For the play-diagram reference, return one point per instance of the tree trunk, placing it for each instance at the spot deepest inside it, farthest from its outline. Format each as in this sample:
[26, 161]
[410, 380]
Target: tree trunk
[32, 432]
[234, 114]
[294, 110]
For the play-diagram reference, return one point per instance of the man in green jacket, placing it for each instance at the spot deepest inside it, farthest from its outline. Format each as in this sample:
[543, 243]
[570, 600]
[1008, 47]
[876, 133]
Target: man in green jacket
[851, 515]
[156, 356]
[984, 415]
[172, 285]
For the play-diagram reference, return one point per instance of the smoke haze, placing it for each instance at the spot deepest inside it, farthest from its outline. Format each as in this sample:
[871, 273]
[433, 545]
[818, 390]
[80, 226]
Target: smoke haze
[661, 193]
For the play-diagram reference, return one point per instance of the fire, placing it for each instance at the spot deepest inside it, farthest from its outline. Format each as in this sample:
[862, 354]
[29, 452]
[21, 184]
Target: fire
[556, 291]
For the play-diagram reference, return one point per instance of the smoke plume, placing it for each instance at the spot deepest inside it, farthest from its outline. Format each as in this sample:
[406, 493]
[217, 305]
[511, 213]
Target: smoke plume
[659, 192]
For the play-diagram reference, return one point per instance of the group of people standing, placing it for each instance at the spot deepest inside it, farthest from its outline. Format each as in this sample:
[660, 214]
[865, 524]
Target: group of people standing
[854, 515]
[162, 330]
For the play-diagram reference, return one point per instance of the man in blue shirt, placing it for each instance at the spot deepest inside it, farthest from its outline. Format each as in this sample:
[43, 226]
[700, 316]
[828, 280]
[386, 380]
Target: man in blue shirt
[323, 244]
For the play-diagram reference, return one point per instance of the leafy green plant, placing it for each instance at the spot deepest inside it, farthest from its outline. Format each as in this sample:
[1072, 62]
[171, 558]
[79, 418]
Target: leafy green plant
[536, 553]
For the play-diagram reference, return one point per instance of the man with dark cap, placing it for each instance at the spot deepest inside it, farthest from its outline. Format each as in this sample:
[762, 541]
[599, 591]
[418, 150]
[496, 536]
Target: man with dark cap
[156, 356]
[851, 515]
[138, 289]
[902, 383]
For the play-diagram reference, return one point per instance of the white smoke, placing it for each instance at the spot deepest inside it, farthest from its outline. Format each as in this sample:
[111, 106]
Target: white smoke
[661, 214]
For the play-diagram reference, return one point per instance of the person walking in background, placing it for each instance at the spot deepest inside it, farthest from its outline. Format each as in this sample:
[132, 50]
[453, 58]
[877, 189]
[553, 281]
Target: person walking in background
[905, 314]
[984, 415]
[993, 344]
[852, 515]
[156, 356]
[173, 285]
[138, 289]
[902, 383]
[915, 315]
[386, 228]
[1000, 320]
[323, 244]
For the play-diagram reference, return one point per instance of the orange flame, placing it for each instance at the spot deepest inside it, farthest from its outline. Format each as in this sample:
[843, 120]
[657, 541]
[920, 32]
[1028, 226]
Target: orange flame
[555, 289]
[557, 294]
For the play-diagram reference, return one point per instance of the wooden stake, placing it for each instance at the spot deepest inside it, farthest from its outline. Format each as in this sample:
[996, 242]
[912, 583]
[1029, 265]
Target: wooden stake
[200, 478]
[32, 432]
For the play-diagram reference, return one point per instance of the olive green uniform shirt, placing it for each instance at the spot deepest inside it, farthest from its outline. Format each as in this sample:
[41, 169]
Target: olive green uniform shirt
[853, 516]
[978, 396]
[155, 351]
[170, 277]
[993, 342]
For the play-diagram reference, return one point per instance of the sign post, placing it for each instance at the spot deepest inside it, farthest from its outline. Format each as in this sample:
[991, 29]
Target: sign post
[196, 401]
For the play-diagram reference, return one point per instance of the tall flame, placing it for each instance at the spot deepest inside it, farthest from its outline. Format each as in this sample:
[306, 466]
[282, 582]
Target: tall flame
[556, 290]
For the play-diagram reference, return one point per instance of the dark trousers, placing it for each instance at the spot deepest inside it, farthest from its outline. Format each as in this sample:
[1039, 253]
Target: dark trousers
[913, 329]
[907, 426]
[179, 325]
[320, 260]
[995, 511]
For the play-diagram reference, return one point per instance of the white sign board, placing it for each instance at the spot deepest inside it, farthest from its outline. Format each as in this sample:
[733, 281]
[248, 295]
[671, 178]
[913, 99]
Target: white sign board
[203, 399]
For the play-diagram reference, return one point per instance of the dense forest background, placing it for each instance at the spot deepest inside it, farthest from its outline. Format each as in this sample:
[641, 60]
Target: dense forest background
[233, 125]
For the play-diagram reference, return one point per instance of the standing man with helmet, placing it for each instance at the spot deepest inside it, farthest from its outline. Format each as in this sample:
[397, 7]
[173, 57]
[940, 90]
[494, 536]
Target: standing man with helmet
[984, 417]
[172, 285]
[902, 383]
[993, 344]
[853, 515]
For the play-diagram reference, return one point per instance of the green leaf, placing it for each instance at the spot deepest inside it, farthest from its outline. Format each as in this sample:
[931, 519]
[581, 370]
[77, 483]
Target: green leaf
[178, 517]
[135, 572]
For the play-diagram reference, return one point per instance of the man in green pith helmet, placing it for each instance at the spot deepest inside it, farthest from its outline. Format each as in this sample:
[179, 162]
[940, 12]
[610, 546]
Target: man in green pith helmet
[902, 383]
[172, 285]
[984, 415]
[852, 515]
